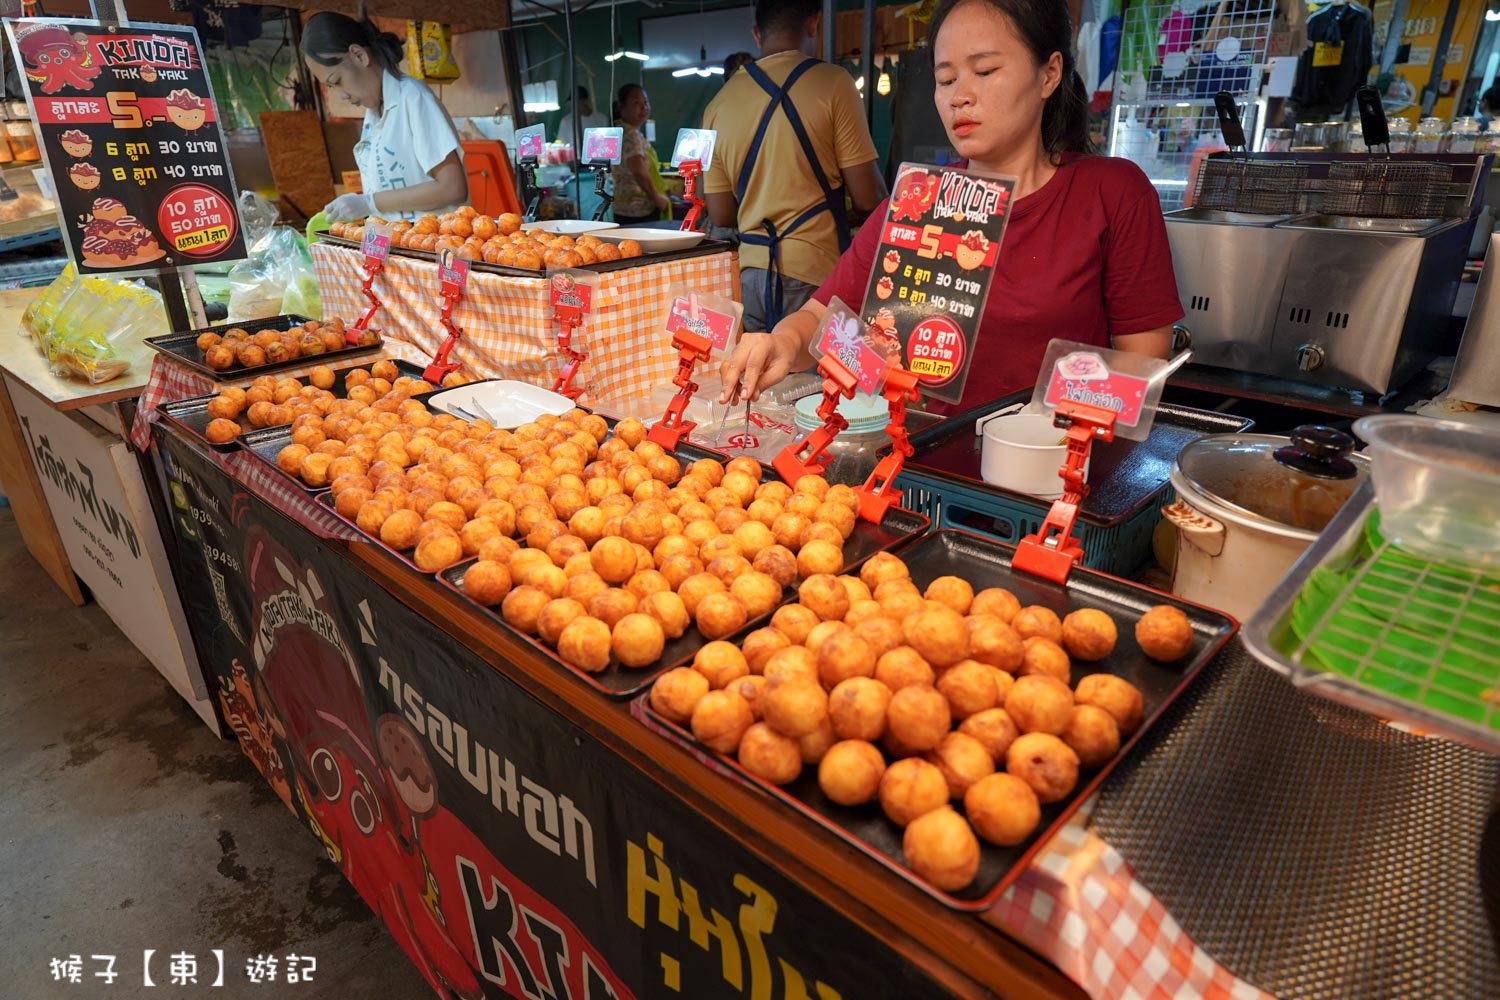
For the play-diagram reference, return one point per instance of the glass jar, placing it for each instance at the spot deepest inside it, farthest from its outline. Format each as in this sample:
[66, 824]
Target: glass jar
[1400, 130]
[853, 453]
[1336, 136]
[1278, 140]
[1430, 137]
[22, 142]
[1464, 135]
[1357, 137]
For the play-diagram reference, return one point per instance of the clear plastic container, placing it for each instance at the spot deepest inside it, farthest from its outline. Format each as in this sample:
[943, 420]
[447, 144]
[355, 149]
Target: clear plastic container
[1465, 135]
[1357, 137]
[853, 453]
[1490, 138]
[1400, 130]
[1431, 136]
[1438, 486]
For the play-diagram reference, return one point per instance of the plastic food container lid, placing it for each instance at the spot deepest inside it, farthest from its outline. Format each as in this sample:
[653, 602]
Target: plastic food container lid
[866, 414]
[1298, 484]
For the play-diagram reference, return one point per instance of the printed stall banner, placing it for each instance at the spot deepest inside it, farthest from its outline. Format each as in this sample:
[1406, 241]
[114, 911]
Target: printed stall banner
[131, 138]
[508, 851]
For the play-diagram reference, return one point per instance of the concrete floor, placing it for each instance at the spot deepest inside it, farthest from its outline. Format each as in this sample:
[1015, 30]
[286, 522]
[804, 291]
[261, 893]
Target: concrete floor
[126, 825]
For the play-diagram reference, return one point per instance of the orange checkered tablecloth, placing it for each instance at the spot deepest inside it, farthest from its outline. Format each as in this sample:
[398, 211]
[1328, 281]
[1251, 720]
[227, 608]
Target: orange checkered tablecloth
[507, 322]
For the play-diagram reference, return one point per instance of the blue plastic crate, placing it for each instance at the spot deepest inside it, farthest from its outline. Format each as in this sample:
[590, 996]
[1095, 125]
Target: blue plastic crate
[1120, 550]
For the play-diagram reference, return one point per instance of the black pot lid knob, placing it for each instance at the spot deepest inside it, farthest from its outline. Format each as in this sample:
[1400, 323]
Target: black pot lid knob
[1319, 451]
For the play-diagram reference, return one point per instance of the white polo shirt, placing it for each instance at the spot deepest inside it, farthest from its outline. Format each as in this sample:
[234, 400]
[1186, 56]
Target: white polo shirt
[403, 144]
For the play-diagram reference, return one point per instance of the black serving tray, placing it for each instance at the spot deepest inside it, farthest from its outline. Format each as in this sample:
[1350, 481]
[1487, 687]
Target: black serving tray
[705, 248]
[191, 414]
[615, 681]
[183, 348]
[1124, 476]
[987, 563]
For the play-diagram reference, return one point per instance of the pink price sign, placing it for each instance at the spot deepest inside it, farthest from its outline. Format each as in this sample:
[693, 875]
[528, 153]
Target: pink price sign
[453, 272]
[570, 294]
[714, 326]
[867, 353]
[376, 245]
[1083, 377]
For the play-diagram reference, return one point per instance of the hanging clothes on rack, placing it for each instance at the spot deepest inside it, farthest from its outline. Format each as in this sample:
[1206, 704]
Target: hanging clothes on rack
[1337, 60]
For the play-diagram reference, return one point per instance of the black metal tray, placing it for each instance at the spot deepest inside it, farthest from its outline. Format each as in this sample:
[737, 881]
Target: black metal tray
[183, 348]
[704, 248]
[986, 563]
[615, 681]
[1124, 476]
[191, 415]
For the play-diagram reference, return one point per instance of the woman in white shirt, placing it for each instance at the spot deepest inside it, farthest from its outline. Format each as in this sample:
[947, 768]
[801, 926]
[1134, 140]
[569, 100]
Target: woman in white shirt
[409, 154]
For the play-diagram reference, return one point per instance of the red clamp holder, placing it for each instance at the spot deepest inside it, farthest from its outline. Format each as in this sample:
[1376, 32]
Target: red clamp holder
[691, 349]
[440, 367]
[690, 170]
[564, 384]
[1052, 551]
[373, 267]
[810, 455]
[876, 496]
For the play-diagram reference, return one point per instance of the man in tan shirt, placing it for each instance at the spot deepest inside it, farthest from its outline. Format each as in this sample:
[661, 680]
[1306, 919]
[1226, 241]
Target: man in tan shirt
[792, 146]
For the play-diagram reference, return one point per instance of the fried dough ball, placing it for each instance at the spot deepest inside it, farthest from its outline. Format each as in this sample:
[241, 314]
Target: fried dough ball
[585, 583]
[880, 567]
[729, 519]
[941, 847]
[646, 582]
[731, 568]
[787, 529]
[1002, 809]
[963, 761]
[677, 568]
[820, 531]
[1089, 634]
[555, 616]
[1045, 763]
[349, 500]
[769, 755]
[221, 431]
[816, 743]
[437, 551]
[843, 655]
[758, 592]
[486, 583]
[695, 588]
[1164, 633]
[819, 557]
[372, 515]
[760, 645]
[969, 687]
[793, 663]
[610, 606]
[993, 642]
[795, 621]
[953, 591]
[882, 633]
[824, 596]
[995, 731]
[752, 538]
[631, 431]
[720, 614]
[585, 643]
[448, 513]
[862, 611]
[1045, 657]
[850, 772]
[939, 635]
[677, 692]
[642, 527]
[226, 407]
[918, 717]
[614, 558]
[400, 530]
[857, 709]
[794, 707]
[668, 609]
[912, 788]
[638, 640]
[1040, 704]
[522, 607]
[220, 357]
[903, 667]
[750, 687]
[857, 591]
[778, 563]
[1039, 621]
[1093, 735]
[720, 719]
[474, 534]
[721, 662]
[1115, 695]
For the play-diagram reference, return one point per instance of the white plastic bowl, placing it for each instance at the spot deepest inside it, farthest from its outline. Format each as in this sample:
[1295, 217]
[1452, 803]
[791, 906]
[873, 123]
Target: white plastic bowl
[1023, 452]
[655, 240]
[569, 227]
[506, 403]
[1437, 483]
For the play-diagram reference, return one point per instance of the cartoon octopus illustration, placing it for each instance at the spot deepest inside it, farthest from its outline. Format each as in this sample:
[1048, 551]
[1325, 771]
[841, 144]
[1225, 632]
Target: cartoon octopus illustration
[56, 59]
[915, 192]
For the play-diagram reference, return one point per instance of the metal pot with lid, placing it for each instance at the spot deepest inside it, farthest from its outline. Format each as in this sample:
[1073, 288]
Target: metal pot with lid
[1249, 504]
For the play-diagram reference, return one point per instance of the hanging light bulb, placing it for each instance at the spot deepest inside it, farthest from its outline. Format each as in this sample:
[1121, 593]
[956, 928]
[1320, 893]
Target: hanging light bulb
[859, 84]
[702, 69]
[883, 84]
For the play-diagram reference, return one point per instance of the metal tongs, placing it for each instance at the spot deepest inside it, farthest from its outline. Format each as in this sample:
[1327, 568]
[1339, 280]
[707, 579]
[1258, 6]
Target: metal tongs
[734, 400]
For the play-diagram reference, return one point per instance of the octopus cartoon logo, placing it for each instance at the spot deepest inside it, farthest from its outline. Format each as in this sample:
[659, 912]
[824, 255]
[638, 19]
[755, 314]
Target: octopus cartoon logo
[915, 192]
[186, 110]
[84, 176]
[76, 142]
[56, 59]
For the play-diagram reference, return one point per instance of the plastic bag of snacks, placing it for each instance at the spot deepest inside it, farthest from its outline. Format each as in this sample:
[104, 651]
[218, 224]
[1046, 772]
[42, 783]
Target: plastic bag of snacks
[96, 314]
[279, 273]
[39, 315]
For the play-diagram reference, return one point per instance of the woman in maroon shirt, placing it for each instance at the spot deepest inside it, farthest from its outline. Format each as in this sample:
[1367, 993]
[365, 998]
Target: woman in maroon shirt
[1085, 254]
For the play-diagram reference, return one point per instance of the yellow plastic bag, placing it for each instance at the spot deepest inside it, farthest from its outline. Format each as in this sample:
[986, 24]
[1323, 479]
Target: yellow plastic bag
[429, 51]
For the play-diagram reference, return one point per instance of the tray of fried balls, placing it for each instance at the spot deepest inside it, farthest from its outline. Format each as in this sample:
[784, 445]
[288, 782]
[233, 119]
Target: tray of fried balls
[499, 245]
[261, 346]
[221, 419]
[637, 580]
[939, 712]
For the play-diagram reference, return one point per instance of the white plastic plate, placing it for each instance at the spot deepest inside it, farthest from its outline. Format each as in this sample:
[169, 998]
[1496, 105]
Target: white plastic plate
[569, 227]
[503, 402]
[655, 240]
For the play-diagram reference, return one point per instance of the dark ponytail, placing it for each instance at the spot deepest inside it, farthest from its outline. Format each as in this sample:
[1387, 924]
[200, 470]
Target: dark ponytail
[1045, 27]
[326, 38]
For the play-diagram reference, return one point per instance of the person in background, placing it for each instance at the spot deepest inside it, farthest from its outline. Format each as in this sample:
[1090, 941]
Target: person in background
[734, 61]
[585, 115]
[1489, 105]
[1085, 253]
[792, 147]
[638, 198]
[409, 155]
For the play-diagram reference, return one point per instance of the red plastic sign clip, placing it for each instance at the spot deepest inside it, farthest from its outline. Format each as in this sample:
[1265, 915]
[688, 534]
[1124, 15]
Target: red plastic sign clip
[876, 496]
[455, 275]
[564, 384]
[1052, 551]
[691, 349]
[810, 455]
[690, 170]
